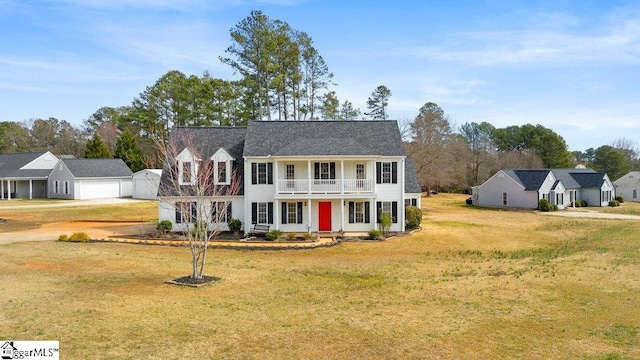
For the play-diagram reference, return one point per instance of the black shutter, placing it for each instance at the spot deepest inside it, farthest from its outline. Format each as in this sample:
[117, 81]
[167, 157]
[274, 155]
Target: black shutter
[284, 213]
[352, 215]
[254, 173]
[269, 173]
[254, 213]
[378, 172]
[229, 213]
[332, 170]
[367, 212]
[394, 172]
[299, 212]
[394, 211]
[316, 171]
[270, 213]
[378, 211]
[178, 213]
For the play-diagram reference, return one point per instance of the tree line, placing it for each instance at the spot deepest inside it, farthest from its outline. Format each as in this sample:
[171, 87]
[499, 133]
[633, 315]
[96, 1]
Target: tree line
[284, 77]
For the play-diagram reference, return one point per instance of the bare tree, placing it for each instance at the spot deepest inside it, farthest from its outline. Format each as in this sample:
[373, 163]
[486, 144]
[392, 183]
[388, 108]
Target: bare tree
[200, 190]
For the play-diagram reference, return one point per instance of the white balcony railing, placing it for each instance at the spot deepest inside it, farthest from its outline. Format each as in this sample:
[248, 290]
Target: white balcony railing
[334, 186]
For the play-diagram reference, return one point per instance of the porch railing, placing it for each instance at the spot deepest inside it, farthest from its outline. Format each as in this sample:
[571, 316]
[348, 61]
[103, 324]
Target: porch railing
[325, 186]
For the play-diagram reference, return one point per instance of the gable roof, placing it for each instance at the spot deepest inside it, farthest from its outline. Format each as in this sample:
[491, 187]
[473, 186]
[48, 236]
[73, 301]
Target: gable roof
[97, 168]
[630, 174]
[309, 138]
[532, 179]
[208, 140]
[11, 165]
[589, 180]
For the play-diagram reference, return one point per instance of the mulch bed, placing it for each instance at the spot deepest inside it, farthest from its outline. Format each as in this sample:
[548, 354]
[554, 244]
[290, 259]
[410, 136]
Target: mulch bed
[189, 281]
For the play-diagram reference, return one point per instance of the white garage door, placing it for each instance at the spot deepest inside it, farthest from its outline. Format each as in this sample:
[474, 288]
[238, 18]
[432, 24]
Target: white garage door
[99, 189]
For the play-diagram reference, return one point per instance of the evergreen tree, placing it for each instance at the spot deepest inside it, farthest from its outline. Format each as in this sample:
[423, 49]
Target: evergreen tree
[378, 103]
[95, 148]
[128, 149]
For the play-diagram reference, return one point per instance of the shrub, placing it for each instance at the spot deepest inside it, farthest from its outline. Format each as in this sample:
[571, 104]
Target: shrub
[63, 238]
[79, 237]
[584, 203]
[165, 226]
[576, 204]
[614, 203]
[385, 222]
[544, 205]
[235, 225]
[620, 199]
[375, 234]
[554, 207]
[292, 236]
[307, 236]
[273, 235]
[413, 217]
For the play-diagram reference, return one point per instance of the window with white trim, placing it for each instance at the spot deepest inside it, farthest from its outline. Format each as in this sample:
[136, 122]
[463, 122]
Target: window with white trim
[221, 211]
[186, 173]
[186, 212]
[292, 212]
[290, 174]
[262, 213]
[388, 207]
[504, 199]
[222, 172]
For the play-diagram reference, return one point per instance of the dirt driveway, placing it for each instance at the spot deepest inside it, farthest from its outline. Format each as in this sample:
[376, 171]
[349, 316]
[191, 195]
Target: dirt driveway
[95, 230]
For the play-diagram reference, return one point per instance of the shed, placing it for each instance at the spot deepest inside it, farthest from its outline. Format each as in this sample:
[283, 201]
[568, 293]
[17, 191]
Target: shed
[145, 184]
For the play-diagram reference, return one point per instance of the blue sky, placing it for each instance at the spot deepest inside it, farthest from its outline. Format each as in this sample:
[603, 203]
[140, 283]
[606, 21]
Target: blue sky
[571, 66]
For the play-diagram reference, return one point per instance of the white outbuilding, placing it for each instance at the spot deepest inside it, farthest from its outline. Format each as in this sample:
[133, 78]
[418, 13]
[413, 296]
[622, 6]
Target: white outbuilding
[145, 184]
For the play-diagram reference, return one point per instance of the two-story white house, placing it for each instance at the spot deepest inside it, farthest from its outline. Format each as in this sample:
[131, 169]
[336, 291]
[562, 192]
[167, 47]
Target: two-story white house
[308, 176]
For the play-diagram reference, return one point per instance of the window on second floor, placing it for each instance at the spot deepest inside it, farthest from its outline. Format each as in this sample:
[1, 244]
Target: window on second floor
[186, 173]
[324, 170]
[386, 172]
[261, 173]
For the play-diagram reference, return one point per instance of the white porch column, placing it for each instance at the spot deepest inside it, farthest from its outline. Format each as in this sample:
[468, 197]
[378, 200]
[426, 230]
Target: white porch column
[276, 214]
[8, 189]
[342, 214]
[30, 189]
[309, 223]
[309, 178]
[2, 189]
[342, 178]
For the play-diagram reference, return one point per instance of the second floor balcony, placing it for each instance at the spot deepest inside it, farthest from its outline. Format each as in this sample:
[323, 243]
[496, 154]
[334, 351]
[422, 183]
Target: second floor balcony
[325, 186]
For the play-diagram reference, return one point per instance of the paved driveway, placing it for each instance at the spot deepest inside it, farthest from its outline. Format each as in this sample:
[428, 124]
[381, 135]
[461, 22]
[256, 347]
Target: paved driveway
[591, 214]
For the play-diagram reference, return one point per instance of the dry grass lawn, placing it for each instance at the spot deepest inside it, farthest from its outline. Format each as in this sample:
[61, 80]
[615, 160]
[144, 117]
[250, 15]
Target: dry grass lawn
[472, 284]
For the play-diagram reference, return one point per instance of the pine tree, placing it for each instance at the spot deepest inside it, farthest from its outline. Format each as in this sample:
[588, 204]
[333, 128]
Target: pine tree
[95, 148]
[128, 149]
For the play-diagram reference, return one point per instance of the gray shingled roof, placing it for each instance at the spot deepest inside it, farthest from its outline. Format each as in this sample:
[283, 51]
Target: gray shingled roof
[308, 138]
[411, 181]
[97, 168]
[532, 179]
[10, 165]
[209, 140]
[589, 180]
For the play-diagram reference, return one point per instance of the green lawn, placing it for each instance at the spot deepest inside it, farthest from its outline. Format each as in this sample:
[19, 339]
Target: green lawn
[472, 284]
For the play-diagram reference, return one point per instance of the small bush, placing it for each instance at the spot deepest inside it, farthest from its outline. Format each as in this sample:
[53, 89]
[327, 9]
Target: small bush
[554, 207]
[235, 225]
[544, 205]
[413, 217]
[63, 238]
[576, 204]
[308, 236]
[620, 199]
[375, 234]
[273, 235]
[614, 203]
[292, 236]
[164, 226]
[385, 222]
[79, 237]
[584, 203]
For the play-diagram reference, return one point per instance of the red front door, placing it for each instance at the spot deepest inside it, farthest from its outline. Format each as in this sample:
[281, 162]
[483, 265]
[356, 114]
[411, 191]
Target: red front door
[324, 216]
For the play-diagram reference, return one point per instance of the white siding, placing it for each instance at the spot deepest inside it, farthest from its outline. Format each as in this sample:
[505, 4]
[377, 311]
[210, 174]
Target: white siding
[626, 185]
[145, 184]
[490, 193]
[97, 189]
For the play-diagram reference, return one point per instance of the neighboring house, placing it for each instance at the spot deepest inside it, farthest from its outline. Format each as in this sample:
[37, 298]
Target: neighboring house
[629, 186]
[24, 175]
[523, 189]
[306, 176]
[90, 179]
[145, 184]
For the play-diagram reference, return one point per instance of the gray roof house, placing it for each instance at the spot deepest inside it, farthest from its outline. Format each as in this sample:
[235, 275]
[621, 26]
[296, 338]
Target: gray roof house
[24, 175]
[306, 176]
[523, 188]
[90, 179]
